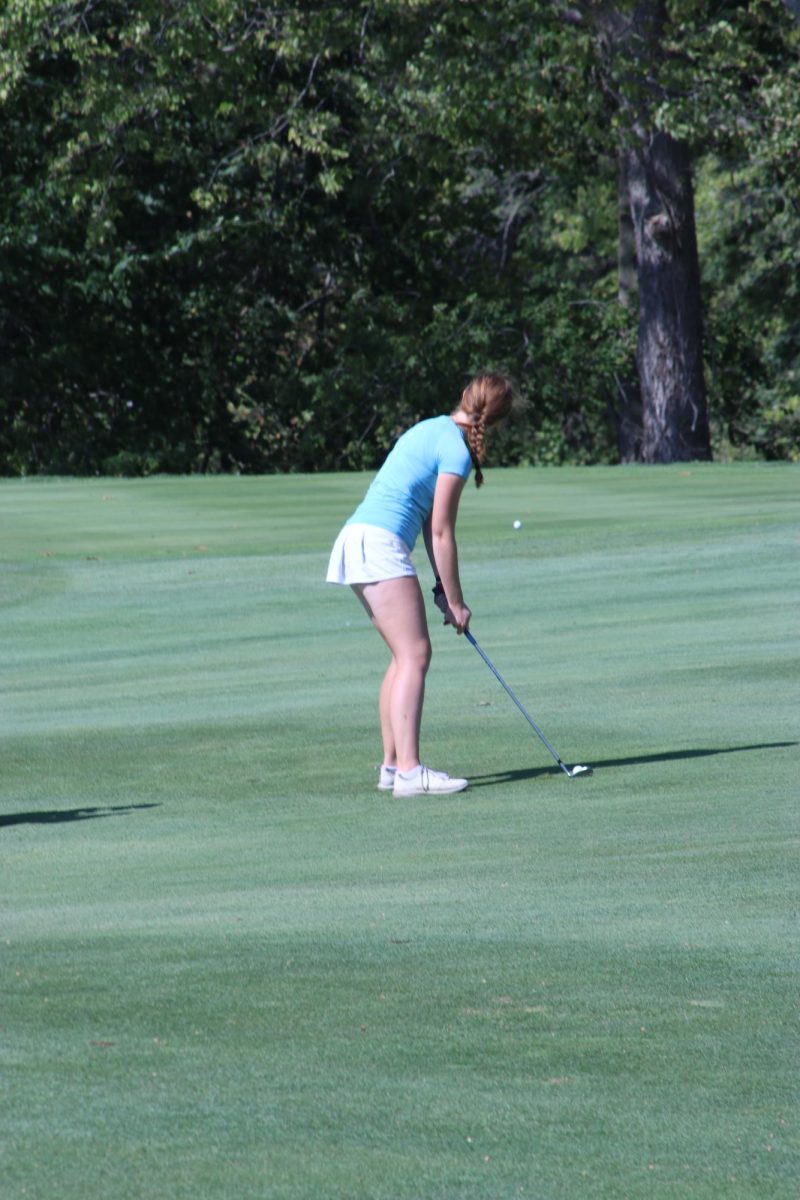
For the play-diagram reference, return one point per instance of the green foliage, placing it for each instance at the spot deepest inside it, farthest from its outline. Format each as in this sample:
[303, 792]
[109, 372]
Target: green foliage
[749, 224]
[239, 238]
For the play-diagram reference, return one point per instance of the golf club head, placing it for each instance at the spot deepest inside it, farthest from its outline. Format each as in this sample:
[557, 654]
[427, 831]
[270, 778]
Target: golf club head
[579, 770]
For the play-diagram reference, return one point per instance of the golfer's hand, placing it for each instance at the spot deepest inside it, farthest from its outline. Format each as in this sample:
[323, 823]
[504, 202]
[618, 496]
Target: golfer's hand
[459, 617]
[439, 599]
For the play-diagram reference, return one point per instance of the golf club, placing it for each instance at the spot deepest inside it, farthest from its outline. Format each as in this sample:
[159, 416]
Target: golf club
[571, 772]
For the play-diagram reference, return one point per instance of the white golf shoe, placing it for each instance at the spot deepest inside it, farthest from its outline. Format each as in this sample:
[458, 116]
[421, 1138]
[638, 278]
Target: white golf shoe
[422, 781]
[386, 779]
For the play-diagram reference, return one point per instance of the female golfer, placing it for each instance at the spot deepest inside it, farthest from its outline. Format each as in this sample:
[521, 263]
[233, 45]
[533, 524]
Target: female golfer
[417, 489]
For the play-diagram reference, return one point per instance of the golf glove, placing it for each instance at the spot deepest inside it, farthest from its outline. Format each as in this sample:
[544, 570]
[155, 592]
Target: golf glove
[440, 600]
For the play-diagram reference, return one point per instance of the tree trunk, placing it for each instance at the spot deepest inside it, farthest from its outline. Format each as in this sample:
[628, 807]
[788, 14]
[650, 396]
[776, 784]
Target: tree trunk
[669, 352]
[654, 170]
[626, 237]
[627, 412]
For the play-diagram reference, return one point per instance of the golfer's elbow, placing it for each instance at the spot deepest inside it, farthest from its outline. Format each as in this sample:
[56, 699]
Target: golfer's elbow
[443, 535]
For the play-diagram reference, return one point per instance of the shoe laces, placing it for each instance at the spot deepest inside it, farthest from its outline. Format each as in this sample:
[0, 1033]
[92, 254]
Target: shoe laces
[426, 775]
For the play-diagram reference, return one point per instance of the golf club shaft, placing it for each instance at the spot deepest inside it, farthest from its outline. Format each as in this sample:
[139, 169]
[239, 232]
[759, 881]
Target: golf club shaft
[518, 703]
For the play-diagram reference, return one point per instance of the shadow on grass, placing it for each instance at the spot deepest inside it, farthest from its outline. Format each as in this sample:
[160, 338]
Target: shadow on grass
[634, 761]
[58, 816]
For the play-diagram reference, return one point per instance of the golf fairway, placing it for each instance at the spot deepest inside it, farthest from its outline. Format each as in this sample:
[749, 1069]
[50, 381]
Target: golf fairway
[232, 968]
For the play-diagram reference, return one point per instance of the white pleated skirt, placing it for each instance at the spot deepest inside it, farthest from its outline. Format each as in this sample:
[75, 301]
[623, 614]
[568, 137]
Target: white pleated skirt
[368, 554]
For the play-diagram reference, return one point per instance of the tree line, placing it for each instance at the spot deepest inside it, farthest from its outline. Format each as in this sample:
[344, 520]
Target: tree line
[267, 237]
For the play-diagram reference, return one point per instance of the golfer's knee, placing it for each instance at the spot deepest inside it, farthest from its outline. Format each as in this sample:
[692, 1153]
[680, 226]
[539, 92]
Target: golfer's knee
[418, 655]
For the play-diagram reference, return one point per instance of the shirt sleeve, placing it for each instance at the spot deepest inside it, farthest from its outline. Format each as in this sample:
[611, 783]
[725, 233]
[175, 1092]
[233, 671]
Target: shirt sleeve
[453, 454]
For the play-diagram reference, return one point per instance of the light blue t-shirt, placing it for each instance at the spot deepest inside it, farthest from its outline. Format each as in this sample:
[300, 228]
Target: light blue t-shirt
[400, 496]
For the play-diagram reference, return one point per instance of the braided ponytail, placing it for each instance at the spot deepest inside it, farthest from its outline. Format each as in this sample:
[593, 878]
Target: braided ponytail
[475, 435]
[486, 399]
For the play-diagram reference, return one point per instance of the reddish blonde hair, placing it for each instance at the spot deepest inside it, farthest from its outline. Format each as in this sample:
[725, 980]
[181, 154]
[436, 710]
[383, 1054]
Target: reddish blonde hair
[487, 399]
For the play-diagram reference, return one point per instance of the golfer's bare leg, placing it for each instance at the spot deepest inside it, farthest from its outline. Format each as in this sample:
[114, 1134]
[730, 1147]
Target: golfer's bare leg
[397, 610]
[385, 709]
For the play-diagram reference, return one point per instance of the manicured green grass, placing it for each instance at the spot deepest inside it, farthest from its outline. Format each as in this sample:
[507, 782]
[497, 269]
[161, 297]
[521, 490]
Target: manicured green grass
[232, 968]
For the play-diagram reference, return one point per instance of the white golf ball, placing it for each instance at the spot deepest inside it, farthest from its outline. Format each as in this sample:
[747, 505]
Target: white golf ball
[518, 524]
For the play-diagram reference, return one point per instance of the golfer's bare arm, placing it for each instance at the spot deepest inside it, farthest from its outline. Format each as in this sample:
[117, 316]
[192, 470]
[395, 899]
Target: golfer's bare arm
[441, 533]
